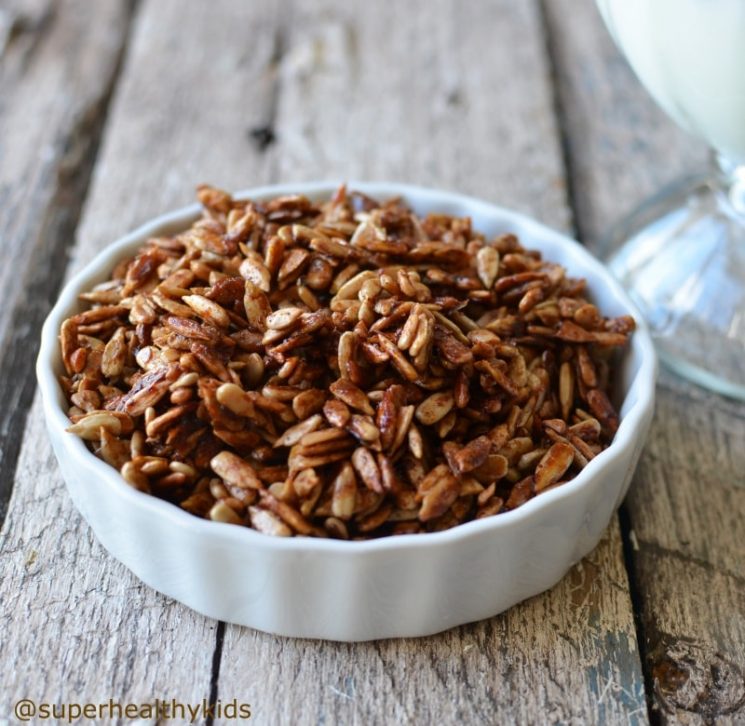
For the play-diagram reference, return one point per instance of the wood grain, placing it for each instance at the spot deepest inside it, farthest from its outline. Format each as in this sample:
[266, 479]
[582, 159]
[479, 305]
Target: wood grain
[439, 100]
[568, 656]
[686, 507]
[687, 510]
[458, 117]
[56, 77]
[76, 625]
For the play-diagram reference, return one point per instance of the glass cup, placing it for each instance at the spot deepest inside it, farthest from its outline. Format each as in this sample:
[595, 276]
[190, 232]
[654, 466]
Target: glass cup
[681, 255]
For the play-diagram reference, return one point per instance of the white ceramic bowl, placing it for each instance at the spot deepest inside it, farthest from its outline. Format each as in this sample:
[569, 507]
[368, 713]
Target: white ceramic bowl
[395, 586]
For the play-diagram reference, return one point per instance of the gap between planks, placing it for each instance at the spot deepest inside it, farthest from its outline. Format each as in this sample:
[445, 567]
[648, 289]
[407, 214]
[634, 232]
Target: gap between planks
[555, 62]
[684, 518]
[53, 239]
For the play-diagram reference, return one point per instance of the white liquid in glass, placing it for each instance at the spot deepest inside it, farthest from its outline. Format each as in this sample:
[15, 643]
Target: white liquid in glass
[690, 54]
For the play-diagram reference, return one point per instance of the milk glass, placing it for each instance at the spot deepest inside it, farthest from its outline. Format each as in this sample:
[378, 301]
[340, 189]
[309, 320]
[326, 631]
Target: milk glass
[682, 254]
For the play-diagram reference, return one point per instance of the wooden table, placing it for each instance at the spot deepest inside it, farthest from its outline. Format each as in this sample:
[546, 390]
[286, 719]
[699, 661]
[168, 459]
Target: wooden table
[112, 112]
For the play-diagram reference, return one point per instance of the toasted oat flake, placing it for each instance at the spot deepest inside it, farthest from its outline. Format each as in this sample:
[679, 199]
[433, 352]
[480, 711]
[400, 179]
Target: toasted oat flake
[340, 369]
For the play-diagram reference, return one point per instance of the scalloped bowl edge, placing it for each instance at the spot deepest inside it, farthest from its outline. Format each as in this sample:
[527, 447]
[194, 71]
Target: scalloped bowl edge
[352, 591]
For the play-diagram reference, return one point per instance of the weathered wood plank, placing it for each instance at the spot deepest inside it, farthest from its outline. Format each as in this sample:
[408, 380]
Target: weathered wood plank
[473, 111]
[198, 82]
[686, 507]
[58, 62]
[450, 100]
[75, 625]
[568, 656]
[687, 510]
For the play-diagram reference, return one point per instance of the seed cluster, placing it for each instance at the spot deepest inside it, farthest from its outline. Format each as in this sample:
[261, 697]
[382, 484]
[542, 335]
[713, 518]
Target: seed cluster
[342, 369]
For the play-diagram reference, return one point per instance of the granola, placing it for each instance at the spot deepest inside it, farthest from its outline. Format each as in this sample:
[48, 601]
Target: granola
[340, 369]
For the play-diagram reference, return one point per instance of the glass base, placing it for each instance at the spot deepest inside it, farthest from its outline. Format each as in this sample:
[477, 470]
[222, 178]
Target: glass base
[681, 257]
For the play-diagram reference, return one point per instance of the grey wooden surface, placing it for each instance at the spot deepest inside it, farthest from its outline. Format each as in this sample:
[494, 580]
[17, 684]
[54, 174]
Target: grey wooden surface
[111, 112]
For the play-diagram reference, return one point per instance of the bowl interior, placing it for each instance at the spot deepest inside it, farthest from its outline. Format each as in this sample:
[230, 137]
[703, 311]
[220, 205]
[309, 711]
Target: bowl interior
[635, 373]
